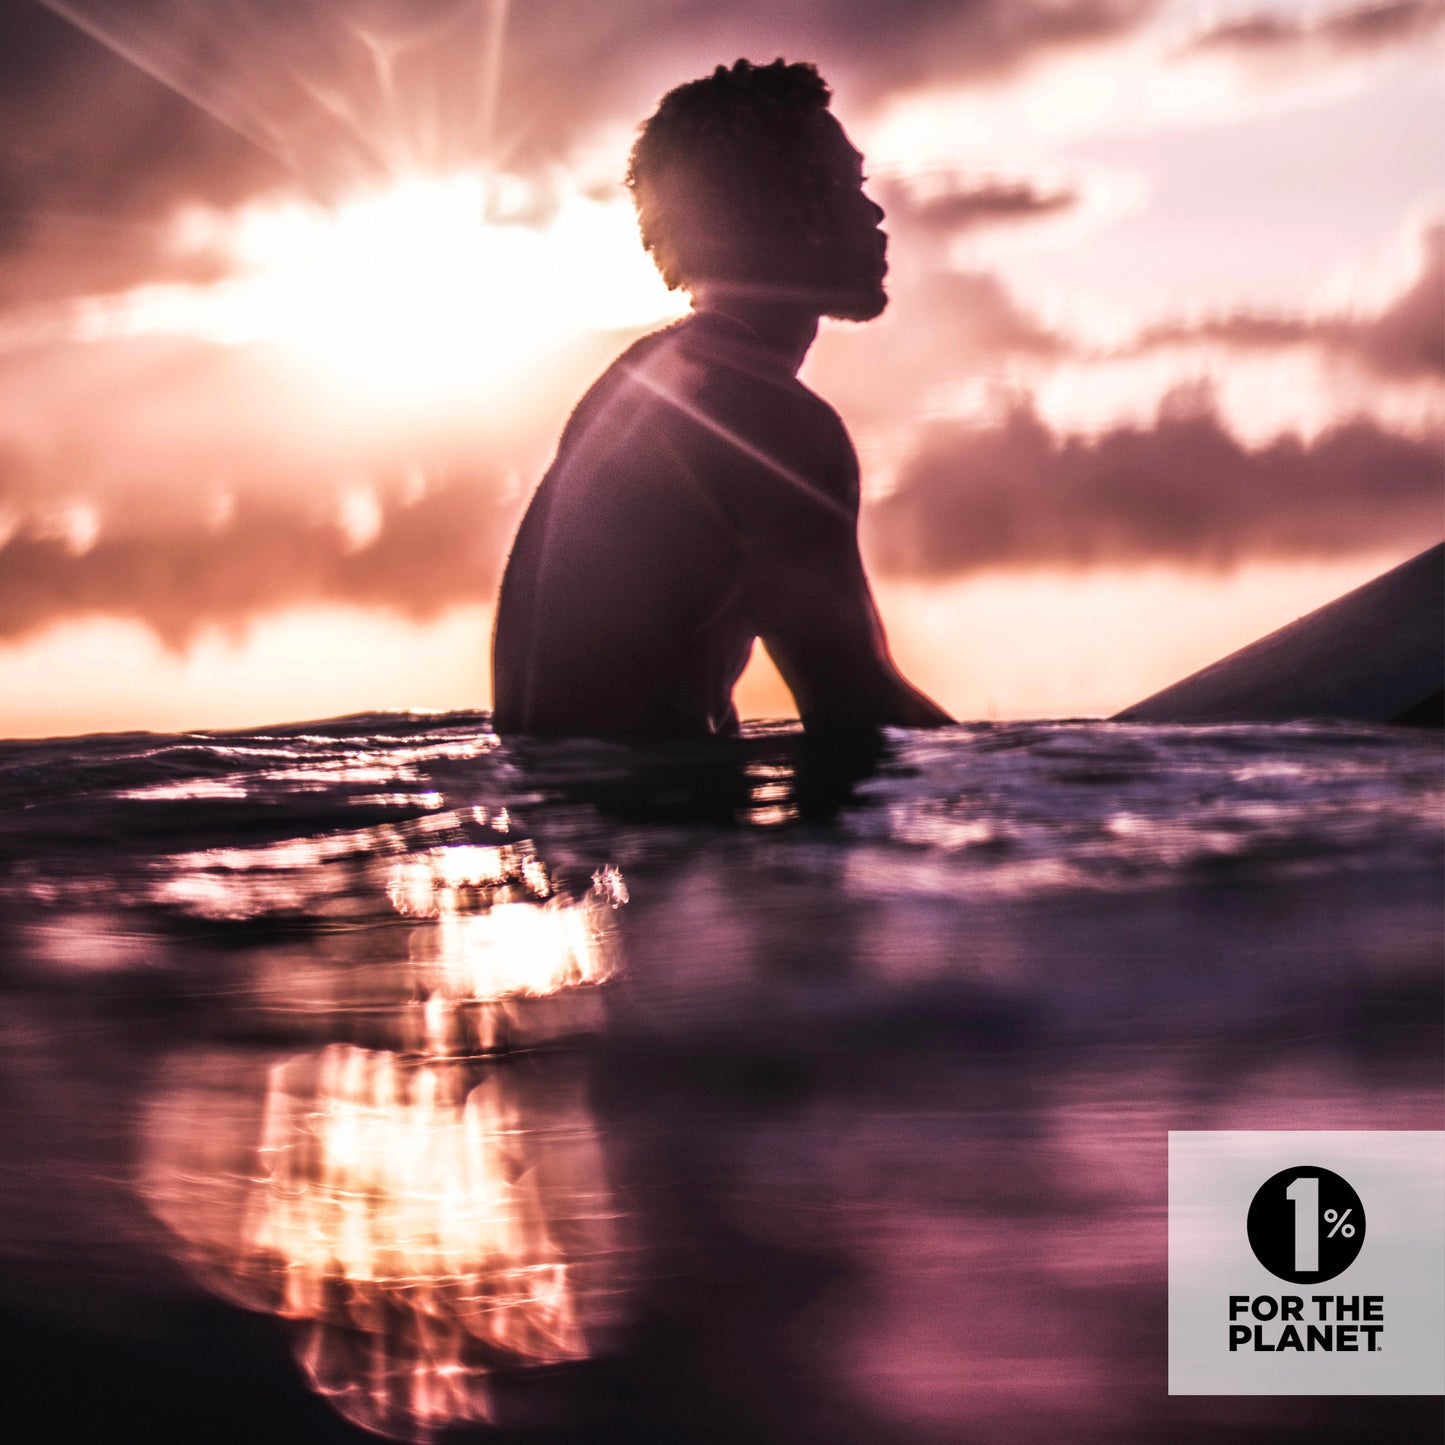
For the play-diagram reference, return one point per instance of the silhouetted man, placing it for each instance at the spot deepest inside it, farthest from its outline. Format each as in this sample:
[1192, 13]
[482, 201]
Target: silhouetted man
[702, 497]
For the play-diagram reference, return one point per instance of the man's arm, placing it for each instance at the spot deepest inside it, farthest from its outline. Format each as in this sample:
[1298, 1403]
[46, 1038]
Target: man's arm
[814, 611]
[823, 632]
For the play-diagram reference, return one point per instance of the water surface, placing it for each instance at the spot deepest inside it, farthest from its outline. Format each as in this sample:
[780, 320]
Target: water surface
[370, 1074]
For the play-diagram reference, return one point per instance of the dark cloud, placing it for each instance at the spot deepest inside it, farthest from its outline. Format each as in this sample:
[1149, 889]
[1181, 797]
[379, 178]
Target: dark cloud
[95, 156]
[1353, 31]
[178, 576]
[629, 53]
[1403, 341]
[115, 116]
[956, 205]
[1185, 491]
[1408, 336]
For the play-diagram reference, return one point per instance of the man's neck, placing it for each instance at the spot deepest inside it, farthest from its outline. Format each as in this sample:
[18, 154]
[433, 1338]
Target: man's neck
[785, 331]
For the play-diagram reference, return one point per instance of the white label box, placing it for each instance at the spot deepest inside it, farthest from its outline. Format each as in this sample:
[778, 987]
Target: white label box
[1307, 1262]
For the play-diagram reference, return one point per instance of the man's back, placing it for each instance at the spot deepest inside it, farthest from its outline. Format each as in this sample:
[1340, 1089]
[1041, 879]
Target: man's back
[647, 561]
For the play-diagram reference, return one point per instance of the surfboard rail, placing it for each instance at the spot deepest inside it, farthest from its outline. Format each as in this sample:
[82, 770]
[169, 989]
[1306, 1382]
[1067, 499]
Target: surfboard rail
[1377, 654]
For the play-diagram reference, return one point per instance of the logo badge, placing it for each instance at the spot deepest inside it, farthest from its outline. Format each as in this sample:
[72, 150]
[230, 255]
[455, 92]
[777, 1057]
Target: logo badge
[1307, 1263]
[1306, 1224]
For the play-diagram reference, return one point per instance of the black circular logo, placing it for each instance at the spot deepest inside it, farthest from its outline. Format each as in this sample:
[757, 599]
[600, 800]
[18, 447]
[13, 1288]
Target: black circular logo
[1306, 1224]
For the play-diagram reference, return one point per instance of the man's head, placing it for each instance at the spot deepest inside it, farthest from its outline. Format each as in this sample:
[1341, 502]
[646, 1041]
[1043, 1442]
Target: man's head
[745, 183]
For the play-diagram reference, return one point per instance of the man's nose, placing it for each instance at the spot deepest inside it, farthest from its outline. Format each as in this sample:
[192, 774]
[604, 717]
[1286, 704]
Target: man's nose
[878, 211]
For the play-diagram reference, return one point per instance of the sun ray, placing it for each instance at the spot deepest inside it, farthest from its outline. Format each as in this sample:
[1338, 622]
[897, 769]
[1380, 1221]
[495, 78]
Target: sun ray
[335, 103]
[152, 65]
[491, 86]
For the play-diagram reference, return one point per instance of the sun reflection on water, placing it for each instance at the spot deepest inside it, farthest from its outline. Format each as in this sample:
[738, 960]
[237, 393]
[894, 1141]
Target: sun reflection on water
[502, 930]
[425, 1215]
[397, 1203]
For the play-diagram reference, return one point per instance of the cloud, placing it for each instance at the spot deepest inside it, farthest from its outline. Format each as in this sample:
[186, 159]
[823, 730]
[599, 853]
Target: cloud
[951, 321]
[631, 52]
[941, 327]
[95, 156]
[412, 550]
[942, 324]
[1184, 491]
[117, 116]
[949, 205]
[1404, 341]
[1408, 336]
[1357, 30]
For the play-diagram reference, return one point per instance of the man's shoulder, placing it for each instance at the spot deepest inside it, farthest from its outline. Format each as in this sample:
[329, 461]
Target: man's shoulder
[700, 364]
[691, 396]
[747, 393]
[617, 384]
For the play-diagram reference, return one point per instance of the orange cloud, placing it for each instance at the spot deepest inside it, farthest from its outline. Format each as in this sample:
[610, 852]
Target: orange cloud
[416, 557]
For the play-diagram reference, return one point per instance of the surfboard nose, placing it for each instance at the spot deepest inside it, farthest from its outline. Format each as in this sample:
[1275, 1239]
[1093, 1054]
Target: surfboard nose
[1377, 654]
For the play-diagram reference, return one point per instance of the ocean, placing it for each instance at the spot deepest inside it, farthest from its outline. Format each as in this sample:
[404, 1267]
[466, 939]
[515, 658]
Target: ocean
[371, 1076]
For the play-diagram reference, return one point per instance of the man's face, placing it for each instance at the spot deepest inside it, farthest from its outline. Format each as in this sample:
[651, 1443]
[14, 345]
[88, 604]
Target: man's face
[826, 256]
[846, 262]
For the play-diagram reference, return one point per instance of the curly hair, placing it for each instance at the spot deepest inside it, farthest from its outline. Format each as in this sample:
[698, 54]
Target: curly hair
[728, 164]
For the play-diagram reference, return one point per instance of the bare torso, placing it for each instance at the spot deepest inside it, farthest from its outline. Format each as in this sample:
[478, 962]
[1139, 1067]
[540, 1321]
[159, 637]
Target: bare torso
[701, 497]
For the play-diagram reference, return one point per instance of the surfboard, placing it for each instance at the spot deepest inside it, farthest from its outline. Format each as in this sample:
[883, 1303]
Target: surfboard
[1377, 654]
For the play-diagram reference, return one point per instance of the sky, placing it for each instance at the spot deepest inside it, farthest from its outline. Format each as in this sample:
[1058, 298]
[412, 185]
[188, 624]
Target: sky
[296, 295]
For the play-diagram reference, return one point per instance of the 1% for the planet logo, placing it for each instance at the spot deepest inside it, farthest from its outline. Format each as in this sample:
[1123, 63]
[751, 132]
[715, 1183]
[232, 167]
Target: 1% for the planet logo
[1306, 1224]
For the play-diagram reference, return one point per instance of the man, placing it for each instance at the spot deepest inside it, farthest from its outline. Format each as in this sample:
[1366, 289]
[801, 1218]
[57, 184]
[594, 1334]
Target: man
[702, 497]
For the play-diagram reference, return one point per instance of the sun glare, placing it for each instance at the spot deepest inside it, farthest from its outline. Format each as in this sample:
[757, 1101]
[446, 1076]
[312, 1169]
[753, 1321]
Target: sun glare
[409, 295]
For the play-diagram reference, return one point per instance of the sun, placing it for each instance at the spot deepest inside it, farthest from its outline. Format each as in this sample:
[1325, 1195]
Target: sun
[414, 294]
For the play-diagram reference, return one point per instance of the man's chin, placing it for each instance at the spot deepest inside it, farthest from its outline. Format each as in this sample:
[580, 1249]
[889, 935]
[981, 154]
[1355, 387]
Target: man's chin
[863, 305]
